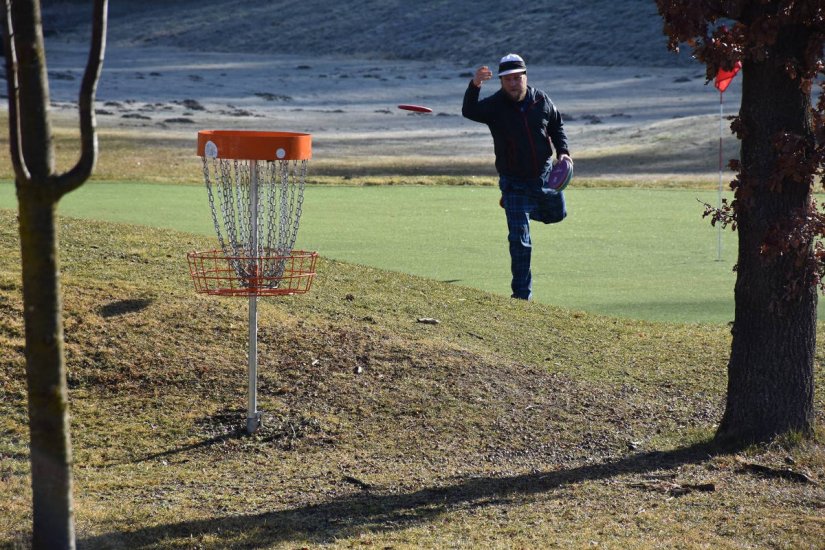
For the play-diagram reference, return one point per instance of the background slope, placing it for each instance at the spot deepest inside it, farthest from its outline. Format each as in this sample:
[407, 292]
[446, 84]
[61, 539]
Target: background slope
[575, 32]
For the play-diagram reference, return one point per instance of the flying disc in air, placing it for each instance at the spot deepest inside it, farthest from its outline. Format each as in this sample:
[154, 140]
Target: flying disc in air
[560, 175]
[415, 108]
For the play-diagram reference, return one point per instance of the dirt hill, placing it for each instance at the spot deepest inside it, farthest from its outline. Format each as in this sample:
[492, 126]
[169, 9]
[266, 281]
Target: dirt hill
[575, 32]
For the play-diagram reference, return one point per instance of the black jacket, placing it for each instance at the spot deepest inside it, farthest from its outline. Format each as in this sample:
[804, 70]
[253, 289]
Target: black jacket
[522, 132]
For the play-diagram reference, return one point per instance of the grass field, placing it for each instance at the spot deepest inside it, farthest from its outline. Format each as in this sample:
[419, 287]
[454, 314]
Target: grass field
[506, 425]
[639, 253]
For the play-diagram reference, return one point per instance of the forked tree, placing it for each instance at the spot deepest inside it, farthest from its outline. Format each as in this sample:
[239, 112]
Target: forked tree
[39, 188]
[780, 256]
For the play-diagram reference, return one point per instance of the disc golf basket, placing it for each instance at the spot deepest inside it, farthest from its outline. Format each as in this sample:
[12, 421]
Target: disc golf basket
[255, 184]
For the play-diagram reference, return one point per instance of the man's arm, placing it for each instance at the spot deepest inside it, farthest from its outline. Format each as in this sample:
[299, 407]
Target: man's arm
[555, 130]
[471, 108]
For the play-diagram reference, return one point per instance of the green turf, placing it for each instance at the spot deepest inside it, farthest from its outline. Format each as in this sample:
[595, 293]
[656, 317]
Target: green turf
[641, 253]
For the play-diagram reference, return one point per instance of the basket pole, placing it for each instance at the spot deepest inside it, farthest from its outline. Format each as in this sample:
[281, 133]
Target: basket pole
[222, 272]
[253, 417]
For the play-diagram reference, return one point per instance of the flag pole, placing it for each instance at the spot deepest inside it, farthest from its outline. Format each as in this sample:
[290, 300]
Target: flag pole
[719, 198]
[723, 80]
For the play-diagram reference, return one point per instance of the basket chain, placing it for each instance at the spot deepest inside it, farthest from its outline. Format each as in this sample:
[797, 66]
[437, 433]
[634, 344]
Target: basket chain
[281, 187]
[210, 194]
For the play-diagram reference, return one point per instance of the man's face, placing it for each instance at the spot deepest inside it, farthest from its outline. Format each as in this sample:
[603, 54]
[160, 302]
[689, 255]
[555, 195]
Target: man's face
[515, 85]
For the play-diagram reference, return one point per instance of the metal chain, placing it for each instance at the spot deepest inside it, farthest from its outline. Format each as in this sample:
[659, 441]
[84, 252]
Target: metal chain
[245, 214]
[211, 196]
[280, 204]
[272, 192]
[300, 203]
[283, 225]
[274, 266]
[226, 210]
[242, 206]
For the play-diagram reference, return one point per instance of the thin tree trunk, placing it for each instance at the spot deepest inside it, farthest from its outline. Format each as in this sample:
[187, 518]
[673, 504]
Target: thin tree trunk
[33, 160]
[51, 454]
[770, 373]
[38, 190]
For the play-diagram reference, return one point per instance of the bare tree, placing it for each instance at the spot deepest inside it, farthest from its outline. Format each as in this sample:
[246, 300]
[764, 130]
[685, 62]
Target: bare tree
[39, 189]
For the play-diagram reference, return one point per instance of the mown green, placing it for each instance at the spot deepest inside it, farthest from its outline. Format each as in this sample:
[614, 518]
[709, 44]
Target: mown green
[637, 253]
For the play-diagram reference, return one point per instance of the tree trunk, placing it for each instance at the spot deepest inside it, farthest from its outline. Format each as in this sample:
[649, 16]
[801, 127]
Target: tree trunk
[38, 190]
[770, 373]
[51, 455]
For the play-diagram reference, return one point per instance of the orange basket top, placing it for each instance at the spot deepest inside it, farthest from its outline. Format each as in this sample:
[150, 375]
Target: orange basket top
[254, 145]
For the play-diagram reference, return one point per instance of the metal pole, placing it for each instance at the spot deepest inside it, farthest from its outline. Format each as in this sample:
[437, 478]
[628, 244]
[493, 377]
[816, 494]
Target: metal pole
[253, 417]
[719, 198]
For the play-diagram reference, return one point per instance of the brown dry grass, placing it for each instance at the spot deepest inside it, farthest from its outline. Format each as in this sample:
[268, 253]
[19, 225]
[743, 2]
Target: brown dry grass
[506, 425]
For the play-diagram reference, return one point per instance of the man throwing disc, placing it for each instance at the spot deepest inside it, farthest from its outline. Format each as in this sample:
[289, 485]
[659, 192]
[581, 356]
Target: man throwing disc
[524, 124]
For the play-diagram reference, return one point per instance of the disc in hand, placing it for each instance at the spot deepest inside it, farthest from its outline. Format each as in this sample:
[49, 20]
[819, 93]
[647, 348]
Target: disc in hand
[559, 177]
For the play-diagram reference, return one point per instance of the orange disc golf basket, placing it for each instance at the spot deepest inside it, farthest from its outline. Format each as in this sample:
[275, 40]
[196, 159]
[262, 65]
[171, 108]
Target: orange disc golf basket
[255, 184]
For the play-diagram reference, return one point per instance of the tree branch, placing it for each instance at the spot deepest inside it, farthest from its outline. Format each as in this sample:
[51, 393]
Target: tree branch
[21, 172]
[75, 177]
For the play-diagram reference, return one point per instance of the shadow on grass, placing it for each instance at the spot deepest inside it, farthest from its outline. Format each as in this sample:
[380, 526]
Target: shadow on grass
[216, 440]
[346, 516]
[228, 426]
[122, 307]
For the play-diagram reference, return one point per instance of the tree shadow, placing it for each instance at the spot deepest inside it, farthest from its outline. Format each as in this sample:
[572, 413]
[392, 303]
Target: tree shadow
[341, 517]
[122, 307]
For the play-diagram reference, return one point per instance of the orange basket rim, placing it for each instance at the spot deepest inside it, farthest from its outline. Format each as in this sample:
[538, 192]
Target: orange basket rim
[254, 145]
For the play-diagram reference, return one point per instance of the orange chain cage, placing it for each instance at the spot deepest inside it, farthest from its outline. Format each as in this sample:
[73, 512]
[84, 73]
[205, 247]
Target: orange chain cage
[246, 270]
[213, 272]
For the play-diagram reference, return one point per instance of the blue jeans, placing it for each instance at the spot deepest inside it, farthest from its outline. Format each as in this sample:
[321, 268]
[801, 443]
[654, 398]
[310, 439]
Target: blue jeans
[521, 199]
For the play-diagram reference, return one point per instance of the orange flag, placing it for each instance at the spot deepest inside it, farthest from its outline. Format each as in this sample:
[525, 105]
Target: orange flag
[724, 78]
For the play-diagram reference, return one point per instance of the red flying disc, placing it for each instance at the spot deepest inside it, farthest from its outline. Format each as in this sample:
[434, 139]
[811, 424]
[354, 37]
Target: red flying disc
[416, 108]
